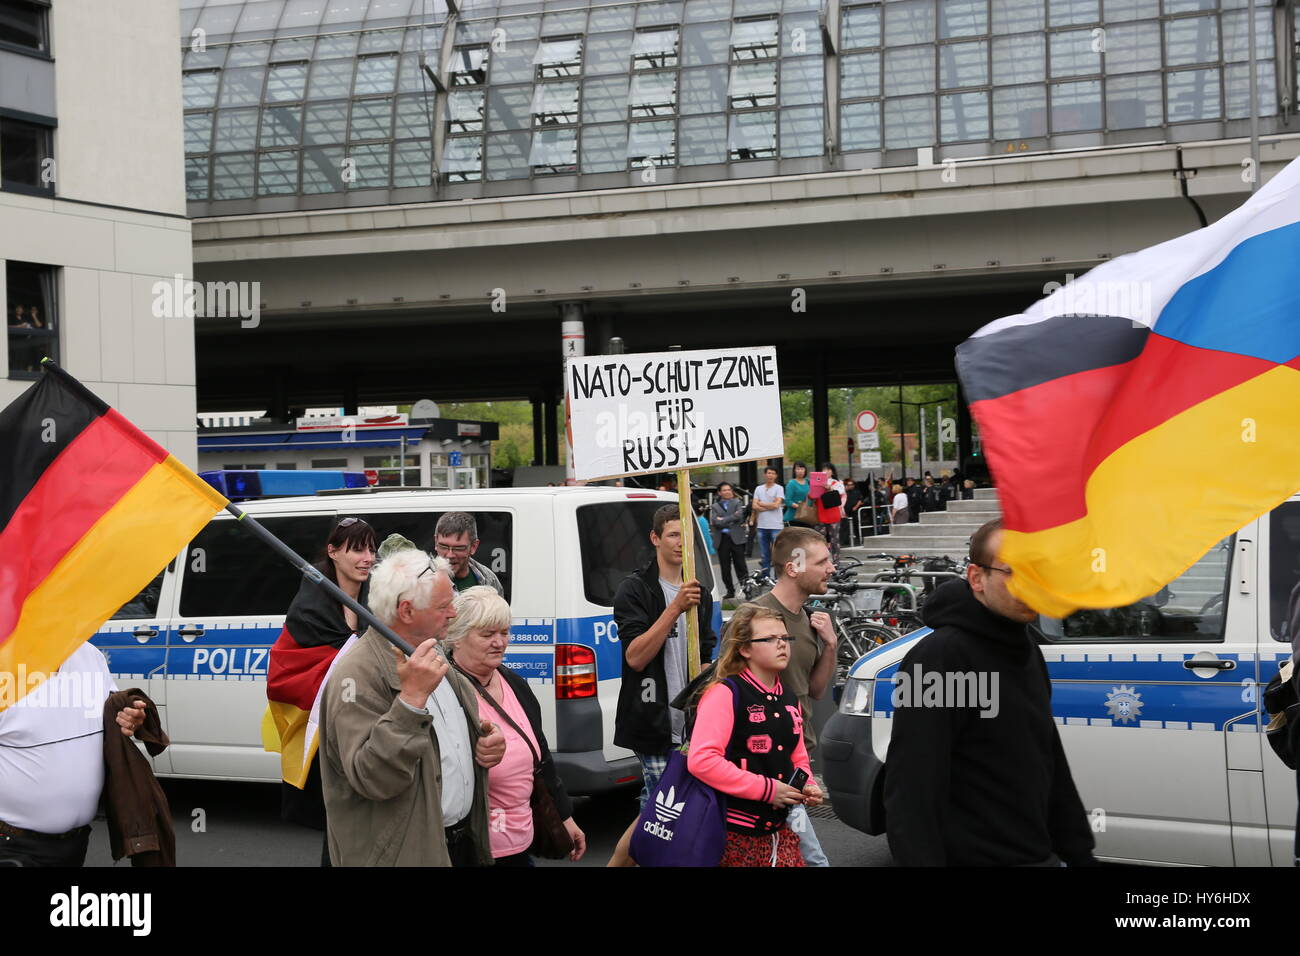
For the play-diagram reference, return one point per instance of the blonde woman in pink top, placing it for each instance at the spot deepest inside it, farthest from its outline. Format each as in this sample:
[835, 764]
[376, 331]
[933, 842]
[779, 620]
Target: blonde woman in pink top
[478, 637]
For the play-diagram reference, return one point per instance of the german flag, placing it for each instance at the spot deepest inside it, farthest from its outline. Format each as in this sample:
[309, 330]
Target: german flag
[1138, 415]
[90, 510]
[313, 639]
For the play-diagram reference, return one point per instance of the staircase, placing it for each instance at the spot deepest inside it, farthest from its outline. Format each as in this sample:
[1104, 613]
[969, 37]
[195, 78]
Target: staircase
[938, 532]
[948, 533]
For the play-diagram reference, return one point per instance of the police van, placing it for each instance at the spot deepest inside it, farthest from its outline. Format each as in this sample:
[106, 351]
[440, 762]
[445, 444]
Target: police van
[1159, 707]
[197, 640]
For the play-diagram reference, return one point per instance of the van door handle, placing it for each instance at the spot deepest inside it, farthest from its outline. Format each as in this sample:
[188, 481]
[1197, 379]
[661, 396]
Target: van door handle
[188, 634]
[142, 634]
[1192, 664]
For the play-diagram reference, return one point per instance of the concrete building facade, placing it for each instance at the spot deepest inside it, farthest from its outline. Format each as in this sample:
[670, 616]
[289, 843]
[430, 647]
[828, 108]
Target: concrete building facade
[92, 206]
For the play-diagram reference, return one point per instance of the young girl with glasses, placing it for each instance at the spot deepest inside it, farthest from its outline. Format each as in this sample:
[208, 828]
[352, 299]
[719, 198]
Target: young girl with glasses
[748, 741]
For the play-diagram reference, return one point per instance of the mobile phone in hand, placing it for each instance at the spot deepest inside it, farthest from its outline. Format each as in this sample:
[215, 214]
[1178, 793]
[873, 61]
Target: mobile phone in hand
[799, 778]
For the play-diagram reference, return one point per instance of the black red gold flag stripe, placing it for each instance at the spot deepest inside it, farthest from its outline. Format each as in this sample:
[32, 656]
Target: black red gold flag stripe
[90, 510]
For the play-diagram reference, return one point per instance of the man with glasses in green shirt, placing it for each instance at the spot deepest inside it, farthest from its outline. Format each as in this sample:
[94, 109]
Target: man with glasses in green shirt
[456, 539]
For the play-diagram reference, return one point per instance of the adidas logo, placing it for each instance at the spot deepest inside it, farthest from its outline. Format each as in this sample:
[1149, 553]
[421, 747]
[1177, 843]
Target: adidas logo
[665, 809]
[658, 830]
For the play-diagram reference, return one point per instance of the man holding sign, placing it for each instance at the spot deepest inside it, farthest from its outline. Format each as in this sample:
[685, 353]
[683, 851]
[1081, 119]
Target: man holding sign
[650, 611]
[648, 413]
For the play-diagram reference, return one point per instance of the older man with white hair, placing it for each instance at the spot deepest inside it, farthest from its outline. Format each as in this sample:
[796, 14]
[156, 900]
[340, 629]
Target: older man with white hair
[406, 755]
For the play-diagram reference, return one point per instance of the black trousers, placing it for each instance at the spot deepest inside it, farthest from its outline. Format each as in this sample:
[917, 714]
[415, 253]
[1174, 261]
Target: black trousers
[45, 851]
[460, 844]
[729, 554]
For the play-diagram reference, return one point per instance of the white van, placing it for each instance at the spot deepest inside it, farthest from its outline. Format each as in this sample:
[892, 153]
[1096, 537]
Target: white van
[1159, 706]
[197, 640]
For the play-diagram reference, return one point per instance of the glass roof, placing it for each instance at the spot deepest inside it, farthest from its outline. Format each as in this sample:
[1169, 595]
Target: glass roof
[312, 101]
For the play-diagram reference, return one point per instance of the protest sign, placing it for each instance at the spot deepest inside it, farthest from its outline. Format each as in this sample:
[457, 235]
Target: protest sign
[653, 412]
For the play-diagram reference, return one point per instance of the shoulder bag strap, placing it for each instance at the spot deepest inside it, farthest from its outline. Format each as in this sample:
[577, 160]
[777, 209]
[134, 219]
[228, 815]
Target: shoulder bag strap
[537, 760]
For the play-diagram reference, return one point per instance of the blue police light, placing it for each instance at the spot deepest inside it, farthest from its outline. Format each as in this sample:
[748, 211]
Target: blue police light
[268, 483]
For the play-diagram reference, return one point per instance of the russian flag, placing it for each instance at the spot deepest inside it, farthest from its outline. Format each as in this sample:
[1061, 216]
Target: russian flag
[1142, 413]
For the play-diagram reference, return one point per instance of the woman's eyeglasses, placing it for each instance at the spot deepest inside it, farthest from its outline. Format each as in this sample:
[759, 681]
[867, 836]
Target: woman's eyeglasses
[788, 638]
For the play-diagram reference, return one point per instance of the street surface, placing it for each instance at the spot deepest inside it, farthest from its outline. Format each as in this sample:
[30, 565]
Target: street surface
[243, 828]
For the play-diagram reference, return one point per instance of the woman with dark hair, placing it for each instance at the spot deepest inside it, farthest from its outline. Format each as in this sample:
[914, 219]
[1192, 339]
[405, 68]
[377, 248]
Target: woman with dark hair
[317, 629]
[796, 490]
[829, 516]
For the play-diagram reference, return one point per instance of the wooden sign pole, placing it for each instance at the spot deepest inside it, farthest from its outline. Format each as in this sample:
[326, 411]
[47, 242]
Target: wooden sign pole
[686, 510]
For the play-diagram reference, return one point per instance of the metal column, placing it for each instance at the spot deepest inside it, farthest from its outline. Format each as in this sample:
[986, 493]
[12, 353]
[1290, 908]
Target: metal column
[821, 412]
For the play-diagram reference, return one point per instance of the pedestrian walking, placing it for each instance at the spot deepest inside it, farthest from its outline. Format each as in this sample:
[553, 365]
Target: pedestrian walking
[730, 533]
[979, 776]
[316, 628]
[830, 509]
[404, 755]
[853, 502]
[650, 612]
[900, 506]
[802, 561]
[477, 639]
[747, 742]
[768, 504]
[796, 490]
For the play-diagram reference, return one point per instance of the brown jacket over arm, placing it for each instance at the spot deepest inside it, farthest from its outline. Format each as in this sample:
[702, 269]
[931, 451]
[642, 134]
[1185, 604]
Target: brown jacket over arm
[139, 819]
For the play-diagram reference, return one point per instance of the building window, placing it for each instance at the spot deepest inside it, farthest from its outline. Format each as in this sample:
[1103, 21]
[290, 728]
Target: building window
[329, 463]
[24, 25]
[558, 58]
[26, 156]
[655, 49]
[469, 66]
[31, 312]
[390, 470]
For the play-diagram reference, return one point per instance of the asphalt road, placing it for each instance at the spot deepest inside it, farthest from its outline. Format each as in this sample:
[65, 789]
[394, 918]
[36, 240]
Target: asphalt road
[238, 824]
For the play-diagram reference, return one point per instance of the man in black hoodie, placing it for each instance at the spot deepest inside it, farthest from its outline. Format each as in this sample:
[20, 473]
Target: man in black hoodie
[976, 775]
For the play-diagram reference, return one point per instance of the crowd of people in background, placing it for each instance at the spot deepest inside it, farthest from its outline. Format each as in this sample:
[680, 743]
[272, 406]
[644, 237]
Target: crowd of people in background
[840, 510]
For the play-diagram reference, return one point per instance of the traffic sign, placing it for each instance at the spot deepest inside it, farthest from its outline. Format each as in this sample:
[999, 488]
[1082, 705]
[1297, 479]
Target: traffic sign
[866, 421]
[454, 459]
[372, 476]
[868, 441]
[869, 459]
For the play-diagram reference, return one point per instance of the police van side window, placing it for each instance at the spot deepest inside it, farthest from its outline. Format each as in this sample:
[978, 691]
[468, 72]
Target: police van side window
[614, 539]
[226, 571]
[495, 542]
[1284, 567]
[1192, 607]
[145, 604]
